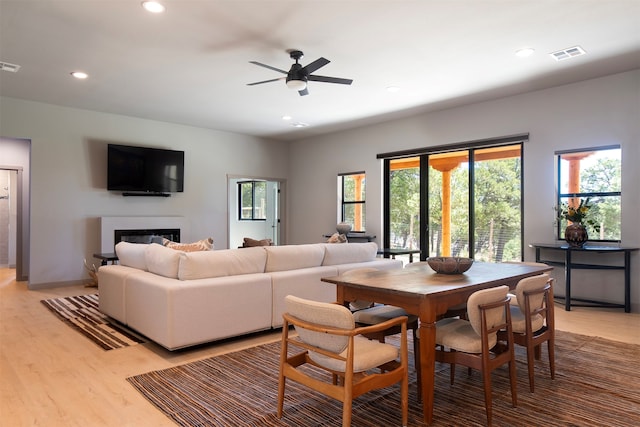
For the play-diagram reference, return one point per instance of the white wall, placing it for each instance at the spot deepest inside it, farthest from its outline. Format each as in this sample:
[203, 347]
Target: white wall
[68, 179]
[69, 169]
[597, 112]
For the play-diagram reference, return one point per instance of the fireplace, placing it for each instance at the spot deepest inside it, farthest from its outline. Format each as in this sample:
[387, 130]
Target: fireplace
[154, 235]
[140, 229]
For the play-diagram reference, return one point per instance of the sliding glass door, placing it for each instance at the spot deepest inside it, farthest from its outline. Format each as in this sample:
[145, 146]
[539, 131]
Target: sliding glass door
[459, 202]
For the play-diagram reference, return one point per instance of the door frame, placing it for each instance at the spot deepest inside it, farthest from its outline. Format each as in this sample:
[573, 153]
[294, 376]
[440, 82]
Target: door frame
[278, 210]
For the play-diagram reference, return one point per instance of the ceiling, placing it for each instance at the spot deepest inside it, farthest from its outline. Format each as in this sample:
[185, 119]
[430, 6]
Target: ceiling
[190, 64]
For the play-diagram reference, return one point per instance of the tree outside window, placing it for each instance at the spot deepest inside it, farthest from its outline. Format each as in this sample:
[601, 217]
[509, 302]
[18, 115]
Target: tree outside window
[253, 200]
[594, 174]
[352, 198]
[460, 202]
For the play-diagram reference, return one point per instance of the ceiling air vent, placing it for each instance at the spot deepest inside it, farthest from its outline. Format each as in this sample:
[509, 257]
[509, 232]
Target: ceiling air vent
[570, 52]
[5, 66]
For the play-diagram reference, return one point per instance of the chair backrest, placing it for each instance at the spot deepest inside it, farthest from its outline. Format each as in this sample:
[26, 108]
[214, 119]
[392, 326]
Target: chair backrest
[322, 314]
[495, 316]
[533, 285]
[529, 263]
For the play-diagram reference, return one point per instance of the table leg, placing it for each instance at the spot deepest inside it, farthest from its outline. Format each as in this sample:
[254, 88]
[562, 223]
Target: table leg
[627, 281]
[427, 367]
[567, 280]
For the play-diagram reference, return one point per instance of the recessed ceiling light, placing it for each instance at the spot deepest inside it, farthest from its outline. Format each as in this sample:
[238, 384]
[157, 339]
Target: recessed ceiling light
[525, 51]
[153, 6]
[286, 117]
[299, 125]
[80, 75]
[393, 89]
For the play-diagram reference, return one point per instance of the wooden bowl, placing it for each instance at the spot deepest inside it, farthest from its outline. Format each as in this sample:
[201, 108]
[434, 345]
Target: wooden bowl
[449, 265]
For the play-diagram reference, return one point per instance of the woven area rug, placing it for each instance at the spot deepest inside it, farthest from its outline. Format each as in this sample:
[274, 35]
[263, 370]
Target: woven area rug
[596, 384]
[82, 313]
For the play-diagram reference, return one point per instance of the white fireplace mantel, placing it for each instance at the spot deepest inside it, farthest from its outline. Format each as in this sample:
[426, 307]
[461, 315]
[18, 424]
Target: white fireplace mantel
[108, 225]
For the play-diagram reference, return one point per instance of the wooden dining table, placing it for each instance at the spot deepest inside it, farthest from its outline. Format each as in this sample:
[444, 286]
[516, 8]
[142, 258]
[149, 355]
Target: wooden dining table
[427, 294]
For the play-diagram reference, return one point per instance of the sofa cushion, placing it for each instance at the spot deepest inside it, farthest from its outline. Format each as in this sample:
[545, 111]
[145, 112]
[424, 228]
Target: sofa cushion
[132, 255]
[162, 260]
[349, 253]
[225, 262]
[293, 257]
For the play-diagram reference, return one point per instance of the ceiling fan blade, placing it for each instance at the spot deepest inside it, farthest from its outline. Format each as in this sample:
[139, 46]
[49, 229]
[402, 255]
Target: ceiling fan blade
[313, 66]
[268, 66]
[266, 81]
[330, 80]
[304, 92]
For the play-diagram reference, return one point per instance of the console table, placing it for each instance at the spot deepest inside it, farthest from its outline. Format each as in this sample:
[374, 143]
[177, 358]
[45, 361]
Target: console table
[104, 257]
[393, 252]
[356, 235]
[569, 265]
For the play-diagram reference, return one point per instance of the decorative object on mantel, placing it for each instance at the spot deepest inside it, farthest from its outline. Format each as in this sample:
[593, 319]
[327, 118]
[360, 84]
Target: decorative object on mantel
[576, 232]
[449, 264]
[343, 228]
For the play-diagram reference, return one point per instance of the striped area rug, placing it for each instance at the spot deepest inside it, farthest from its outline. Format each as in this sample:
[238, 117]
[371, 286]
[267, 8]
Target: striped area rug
[82, 313]
[596, 384]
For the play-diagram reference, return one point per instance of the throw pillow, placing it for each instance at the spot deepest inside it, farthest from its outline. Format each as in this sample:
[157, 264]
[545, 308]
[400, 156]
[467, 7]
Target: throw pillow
[200, 245]
[248, 242]
[337, 238]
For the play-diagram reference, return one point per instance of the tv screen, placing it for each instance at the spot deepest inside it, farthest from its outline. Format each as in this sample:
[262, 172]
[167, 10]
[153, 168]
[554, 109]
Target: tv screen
[143, 169]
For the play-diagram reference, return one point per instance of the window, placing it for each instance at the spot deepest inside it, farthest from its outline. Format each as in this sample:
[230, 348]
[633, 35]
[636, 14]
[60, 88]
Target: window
[458, 200]
[351, 189]
[253, 200]
[594, 174]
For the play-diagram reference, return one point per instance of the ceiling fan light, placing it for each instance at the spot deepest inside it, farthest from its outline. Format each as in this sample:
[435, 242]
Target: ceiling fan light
[297, 84]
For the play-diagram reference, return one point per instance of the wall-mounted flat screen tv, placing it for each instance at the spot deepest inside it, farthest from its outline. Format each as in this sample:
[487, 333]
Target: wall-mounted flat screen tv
[144, 169]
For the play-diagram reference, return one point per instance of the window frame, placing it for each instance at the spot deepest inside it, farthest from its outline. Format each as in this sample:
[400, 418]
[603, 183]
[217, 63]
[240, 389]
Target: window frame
[345, 203]
[254, 207]
[423, 154]
[583, 195]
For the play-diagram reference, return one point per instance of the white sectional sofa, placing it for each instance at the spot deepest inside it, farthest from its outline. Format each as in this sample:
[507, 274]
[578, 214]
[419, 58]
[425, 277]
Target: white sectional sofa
[180, 299]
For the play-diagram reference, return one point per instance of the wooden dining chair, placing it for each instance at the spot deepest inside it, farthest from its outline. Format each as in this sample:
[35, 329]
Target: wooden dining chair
[533, 321]
[514, 298]
[474, 343]
[330, 340]
[368, 313]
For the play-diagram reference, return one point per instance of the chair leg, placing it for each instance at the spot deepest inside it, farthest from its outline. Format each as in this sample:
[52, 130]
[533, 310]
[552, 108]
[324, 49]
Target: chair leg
[486, 379]
[530, 366]
[513, 381]
[346, 411]
[404, 398]
[281, 385]
[416, 362]
[551, 351]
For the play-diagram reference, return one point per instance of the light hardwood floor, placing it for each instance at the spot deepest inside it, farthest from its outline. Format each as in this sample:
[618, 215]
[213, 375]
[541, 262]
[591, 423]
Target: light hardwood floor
[52, 376]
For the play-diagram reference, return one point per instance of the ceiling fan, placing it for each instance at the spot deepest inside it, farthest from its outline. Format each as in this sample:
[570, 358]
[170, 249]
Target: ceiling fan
[298, 76]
